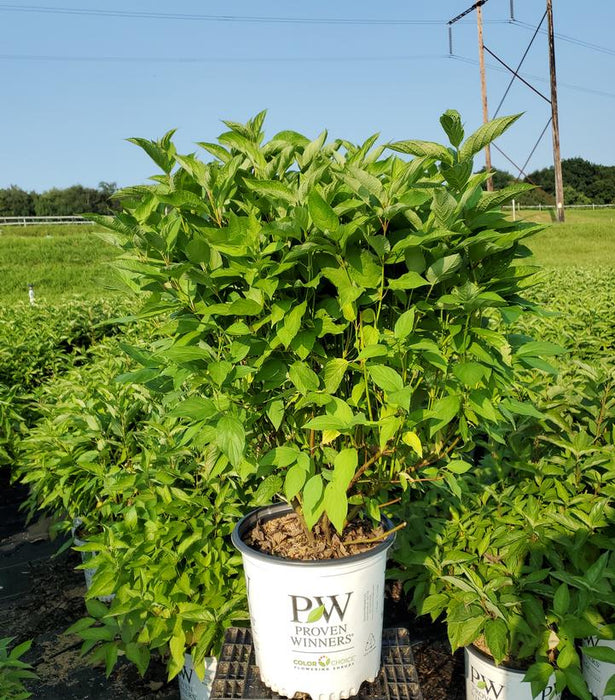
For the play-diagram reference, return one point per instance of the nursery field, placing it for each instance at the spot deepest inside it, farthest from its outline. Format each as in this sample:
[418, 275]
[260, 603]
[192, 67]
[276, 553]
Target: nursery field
[63, 261]
[585, 239]
[58, 260]
[78, 397]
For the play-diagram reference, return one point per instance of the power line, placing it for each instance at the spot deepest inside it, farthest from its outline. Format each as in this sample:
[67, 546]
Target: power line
[568, 38]
[131, 14]
[215, 59]
[278, 59]
[525, 53]
[570, 86]
[516, 75]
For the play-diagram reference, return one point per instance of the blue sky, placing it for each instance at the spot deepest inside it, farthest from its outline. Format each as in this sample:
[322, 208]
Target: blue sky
[66, 121]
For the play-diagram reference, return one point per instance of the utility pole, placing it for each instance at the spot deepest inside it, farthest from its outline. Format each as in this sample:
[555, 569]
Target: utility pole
[481, 61]
[557, 159]
[483, 87]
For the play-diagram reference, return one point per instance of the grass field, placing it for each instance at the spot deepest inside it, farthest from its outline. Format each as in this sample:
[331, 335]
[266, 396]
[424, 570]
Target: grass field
[586, 239]
[66, 261]
[59, 261]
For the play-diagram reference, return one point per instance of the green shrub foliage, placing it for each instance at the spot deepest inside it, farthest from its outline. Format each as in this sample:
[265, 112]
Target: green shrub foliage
[14, 671]
[336, 308]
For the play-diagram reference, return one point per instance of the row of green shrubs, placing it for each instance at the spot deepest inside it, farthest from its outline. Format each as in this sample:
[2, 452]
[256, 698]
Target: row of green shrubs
[38, 344]
[310, 289]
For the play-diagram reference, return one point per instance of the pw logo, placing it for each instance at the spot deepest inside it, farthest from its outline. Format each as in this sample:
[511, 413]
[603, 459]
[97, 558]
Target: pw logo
[491, 689]
[312, 609]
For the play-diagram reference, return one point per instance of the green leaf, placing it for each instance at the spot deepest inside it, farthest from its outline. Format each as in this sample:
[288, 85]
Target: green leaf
[443, 268]
[443, 206]
[316, 614]
[177, 647]
[576, 683]
[539, 348]
[334, 373]
[484, 135]
[103, 582]
[521, 408]
[423, 148]
[111, 658]
[561, 599]
[496, 636]
[281, 456]
[409, 280]
[195, 407]
[267, 489]
[540, 672]
[404, 324]
[435, 603]
[458, 466]
[443, 411]
[609, 689]
[273, 189]
[386, 378]
[292, 324]
[322, 213]
[451, 123]
[295, 479]
[231, 438]
[412, 440]
[344, 467]
[304, 378]
[275, 413]
[139, 654]
[161, 152]
[336, 505]
[469, 373]
[312, 500]
[462, 634]
[601, 653]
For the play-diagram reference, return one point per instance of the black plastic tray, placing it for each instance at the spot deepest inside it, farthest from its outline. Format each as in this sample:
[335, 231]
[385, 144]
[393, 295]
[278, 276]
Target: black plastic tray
[237, 675]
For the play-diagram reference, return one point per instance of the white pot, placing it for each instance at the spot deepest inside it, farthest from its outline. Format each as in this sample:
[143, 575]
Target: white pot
[330, 657]
[191, 687]
[597, 673]
[88, 573]
[486, 681]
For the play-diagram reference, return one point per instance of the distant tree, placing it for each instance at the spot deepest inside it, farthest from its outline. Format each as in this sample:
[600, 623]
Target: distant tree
[572, 196]
[16, 202]
[594, 182]
[500, 178]
[109, 189]
[73, 200]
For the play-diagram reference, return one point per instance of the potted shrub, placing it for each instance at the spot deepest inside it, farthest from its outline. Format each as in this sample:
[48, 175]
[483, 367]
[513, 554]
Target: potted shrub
[333, 309]
[80, 441]
[490, 570]
[521, 562]
[584, 446]
[167, 557]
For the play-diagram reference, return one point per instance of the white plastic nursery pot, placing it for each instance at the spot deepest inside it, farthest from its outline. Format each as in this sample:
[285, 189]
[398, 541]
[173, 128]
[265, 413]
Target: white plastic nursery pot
[329, 657]
[597, 673]
[191, 687]
[486, 681]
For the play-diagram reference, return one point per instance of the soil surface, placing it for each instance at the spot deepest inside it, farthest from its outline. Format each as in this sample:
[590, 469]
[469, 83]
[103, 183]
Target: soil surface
[42, 595]
[286, 537]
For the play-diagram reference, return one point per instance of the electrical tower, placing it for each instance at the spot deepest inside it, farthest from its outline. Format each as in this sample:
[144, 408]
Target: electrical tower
[554, 119]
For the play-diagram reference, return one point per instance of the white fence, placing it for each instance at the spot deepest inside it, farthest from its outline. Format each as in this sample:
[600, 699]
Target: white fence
[34, 220]
[540, 207]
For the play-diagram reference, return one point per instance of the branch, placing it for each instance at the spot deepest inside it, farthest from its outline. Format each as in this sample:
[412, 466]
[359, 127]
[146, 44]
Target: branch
[380, 537]
[367, 465]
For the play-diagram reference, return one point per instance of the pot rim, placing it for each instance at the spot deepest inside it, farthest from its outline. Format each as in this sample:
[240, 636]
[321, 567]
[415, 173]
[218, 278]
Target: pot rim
[266, 513]
[488, 659]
